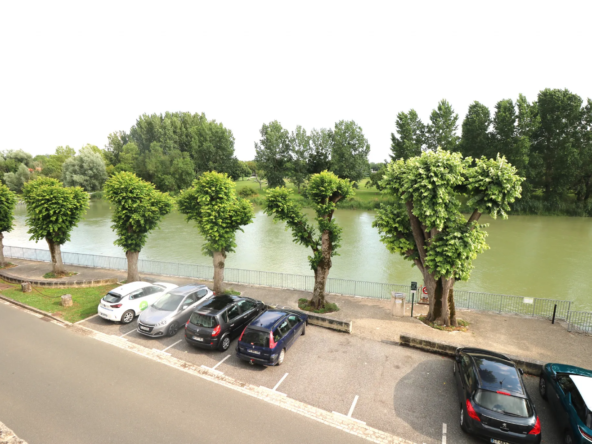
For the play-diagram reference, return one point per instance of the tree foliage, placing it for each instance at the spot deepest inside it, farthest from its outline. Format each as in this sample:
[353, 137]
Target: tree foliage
[424, 223]
[411, 136]
[349, 156]
[16, 181]
[138, 209]
[324, 191]
[441, 131]
[7, 203]
[86, 170]
[273, 153]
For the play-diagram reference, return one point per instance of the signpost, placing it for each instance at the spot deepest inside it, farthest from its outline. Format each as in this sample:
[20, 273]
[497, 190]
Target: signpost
[413, 290]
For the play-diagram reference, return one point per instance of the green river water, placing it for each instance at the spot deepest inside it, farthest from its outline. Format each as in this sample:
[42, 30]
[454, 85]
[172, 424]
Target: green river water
[535, 256]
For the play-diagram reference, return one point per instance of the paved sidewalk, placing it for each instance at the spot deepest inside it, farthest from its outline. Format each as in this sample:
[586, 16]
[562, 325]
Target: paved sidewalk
[530, 338]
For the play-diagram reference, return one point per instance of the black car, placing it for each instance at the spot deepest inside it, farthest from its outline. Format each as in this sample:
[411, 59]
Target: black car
[214, 323]
[494, 403]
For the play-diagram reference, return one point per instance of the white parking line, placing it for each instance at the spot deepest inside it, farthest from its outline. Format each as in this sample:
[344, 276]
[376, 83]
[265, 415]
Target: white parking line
[212, 370]
[86, 319]
[128, 333]
[161, 351]
[351, 411]
[444, 433]
[214, 367]
[174, 345]
[278, 384]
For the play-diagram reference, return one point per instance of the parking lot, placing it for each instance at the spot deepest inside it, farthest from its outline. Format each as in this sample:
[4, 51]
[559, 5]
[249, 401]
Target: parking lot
[403, 391]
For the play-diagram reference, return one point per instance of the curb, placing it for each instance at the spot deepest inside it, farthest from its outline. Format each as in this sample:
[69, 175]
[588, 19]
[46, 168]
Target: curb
[34, 310]
[530, 366]
[319, 320]
[57, 284]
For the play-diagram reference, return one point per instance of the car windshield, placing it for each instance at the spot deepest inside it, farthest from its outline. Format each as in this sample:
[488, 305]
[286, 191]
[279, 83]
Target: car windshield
[112, 297]
[203, 320]
[168, 302]
[256, 337]
[499, 402]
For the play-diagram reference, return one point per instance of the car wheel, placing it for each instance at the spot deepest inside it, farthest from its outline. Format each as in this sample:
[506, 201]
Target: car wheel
[225, 343]
[303, 330]
[127, 317]
[173, 329]
[463, 425]
[567, 439]
[281, 356]
[543, 387]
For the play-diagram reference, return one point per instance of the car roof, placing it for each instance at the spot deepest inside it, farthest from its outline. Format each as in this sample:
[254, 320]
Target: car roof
[584, 385]
[218, 303]
[268, 319]
[186, 289]
[497, 374]
[126, 289]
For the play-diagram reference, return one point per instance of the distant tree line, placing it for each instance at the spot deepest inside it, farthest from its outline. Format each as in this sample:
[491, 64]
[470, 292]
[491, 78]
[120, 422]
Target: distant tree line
[296, 155]
[549, 141]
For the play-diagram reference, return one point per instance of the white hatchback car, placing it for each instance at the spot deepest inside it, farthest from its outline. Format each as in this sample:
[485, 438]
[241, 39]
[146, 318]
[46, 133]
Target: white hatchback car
[124, 303]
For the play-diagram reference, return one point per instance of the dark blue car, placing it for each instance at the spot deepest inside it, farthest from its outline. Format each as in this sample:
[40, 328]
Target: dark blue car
[569, 391]
[267, 337]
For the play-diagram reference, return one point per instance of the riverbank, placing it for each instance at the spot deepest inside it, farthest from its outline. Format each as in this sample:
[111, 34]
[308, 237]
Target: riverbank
[532, 338]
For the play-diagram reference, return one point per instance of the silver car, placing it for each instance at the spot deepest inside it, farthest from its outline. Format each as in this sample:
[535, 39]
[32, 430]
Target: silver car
[172, 310]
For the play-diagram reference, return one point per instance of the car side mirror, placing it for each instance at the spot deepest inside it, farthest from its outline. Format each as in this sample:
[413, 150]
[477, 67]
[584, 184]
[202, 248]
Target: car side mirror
[458, 358]
[521, 371]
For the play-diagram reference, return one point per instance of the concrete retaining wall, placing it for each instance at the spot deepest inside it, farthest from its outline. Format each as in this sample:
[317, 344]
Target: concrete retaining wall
[320, 320]
[56, 283]
[530, 366]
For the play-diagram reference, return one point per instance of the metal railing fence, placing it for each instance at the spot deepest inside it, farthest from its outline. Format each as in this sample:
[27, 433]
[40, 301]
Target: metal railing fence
[464, 299]
[580, 321]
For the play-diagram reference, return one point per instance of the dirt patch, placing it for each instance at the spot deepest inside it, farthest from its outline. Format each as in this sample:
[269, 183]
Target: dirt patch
[462, 325]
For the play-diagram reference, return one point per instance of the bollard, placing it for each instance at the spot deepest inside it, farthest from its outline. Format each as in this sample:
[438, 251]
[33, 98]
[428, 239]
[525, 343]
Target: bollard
[554, 311]
[412, 300]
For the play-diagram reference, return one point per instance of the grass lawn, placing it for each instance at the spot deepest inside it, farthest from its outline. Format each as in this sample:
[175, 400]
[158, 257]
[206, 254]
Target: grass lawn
[85, 300]
[363, 199]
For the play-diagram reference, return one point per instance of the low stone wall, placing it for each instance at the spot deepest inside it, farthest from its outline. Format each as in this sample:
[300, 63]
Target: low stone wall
[7, 436]
[530, 366]
[56, 283]
[320, 320]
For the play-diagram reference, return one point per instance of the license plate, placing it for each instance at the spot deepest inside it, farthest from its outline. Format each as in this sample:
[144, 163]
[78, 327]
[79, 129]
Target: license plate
[255, 352]
[144, 328]
[103, 315]
[497, 441]
[198, 339]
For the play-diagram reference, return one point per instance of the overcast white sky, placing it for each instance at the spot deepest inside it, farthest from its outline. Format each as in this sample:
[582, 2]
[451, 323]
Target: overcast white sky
[72, 72]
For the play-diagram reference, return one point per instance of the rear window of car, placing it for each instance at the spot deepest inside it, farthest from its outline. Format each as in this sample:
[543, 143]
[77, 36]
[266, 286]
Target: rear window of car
[256, 337]
[498, 402]
[112, 297]
[202, 320]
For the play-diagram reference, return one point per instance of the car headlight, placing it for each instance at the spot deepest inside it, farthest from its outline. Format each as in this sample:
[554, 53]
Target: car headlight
[163, 322]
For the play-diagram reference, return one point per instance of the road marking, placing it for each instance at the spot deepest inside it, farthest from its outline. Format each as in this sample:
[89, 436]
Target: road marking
[345, 416]
[86, 319]
[353, 406]
[278, 384]
[127, 333]
[161, 351]
[214, 367]
[273, 391]
[212, 370]
[173, 345]
[444, 433]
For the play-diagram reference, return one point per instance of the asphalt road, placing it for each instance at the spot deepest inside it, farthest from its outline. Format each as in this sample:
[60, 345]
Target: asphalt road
[64, 388]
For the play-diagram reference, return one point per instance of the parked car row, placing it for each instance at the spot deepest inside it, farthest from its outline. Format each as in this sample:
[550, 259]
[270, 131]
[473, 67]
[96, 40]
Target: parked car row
[210, 323]
[495, 405]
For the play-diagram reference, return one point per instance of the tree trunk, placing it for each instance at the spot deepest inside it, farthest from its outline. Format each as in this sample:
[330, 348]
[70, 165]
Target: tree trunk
[56, 258]
[133, 274]
[219, 258]
[2, 260]
[452, 308]
[322, 272]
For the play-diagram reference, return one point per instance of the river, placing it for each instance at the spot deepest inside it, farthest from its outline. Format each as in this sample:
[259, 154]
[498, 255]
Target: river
[536, 256]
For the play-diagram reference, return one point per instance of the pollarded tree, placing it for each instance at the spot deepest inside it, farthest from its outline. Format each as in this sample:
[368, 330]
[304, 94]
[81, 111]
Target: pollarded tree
[7, 203]
[324, 191]
[424, 223]
[139, 208]
[218, 213]
[52, 212]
